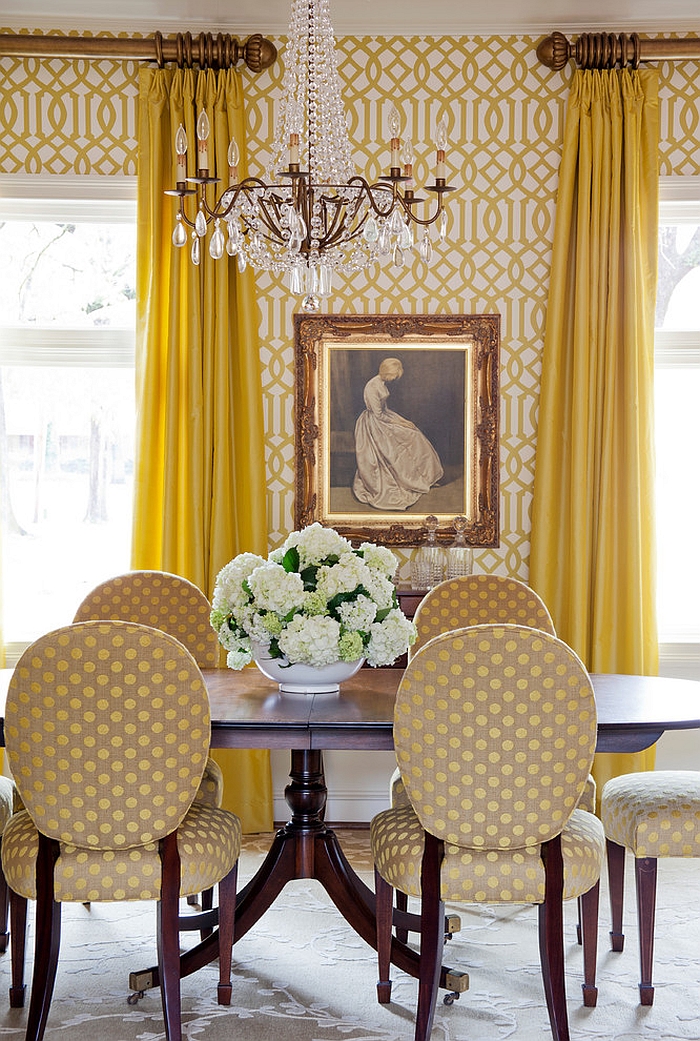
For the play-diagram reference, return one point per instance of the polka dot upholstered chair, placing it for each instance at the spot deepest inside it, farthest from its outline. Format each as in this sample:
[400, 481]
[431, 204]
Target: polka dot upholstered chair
[107, 732]
[478, 600]
[654, 814]
[494, 731]
[9, 803]
[176, 606]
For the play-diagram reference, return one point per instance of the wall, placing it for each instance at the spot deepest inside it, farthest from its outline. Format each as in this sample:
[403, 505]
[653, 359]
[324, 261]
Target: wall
[505, 119]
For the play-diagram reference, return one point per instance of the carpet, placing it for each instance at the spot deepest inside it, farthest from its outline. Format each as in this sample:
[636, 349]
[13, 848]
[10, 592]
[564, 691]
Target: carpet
[302, 975]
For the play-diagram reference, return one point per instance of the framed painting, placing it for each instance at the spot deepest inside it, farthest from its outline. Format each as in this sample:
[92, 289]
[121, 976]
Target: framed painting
[396, 418]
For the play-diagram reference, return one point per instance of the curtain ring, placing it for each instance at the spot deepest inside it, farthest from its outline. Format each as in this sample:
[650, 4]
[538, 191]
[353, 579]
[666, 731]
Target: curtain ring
[623, 38]
[179, 56]
[637, 50]
[158, 40]
[188, 49]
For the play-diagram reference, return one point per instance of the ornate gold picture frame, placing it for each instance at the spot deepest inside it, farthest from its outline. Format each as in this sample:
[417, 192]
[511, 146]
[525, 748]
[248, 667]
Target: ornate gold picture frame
[396, 418]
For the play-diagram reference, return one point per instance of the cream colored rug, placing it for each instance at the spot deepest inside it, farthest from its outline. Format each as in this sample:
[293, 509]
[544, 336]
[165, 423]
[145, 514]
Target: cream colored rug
[302, 975]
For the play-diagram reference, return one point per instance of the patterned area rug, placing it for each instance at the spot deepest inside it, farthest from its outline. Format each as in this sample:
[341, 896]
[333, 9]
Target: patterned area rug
[302, 975]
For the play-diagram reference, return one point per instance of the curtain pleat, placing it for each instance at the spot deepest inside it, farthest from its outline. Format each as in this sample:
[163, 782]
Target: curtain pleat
[593, 536]
[199, 485]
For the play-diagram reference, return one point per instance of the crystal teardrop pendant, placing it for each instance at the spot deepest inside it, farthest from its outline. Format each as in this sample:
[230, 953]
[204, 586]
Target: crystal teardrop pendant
[395, 223]
[179, 232]
[371, 231]
[216, 246]
[406, 237]
[295, 280]
[384, 241]
[242, 262]
[425, 248]
[325, 275]
[398, 257]
[233, 242]
[443, 226]
[200, 224]
[195, 250]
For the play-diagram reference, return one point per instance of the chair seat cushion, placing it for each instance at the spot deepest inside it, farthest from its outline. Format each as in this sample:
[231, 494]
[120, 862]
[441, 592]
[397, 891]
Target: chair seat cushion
[399, 797]
[477, 876]
[209, 842]
[654, 813]
[211, 787]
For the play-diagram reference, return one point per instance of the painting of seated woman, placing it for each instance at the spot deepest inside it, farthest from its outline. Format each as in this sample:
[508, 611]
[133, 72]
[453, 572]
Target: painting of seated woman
[396, 463]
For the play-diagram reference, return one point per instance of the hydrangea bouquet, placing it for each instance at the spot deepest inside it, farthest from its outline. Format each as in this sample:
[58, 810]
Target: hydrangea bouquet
[315, 600]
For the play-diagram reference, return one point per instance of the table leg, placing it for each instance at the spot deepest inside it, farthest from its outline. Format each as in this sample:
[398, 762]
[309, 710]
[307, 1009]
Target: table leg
[304, 848]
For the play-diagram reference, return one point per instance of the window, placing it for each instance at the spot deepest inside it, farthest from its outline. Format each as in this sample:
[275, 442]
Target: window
[67, 299]
[677, 393]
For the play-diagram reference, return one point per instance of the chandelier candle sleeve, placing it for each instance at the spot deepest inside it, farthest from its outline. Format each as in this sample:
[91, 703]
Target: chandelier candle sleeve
[202, 143]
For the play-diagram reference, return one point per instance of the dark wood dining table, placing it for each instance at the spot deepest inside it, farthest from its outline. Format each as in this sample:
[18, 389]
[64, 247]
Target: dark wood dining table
[248, 711]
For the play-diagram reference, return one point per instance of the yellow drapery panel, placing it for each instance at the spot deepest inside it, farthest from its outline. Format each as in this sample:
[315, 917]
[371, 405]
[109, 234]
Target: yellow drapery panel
[199, 487]
[593, 537]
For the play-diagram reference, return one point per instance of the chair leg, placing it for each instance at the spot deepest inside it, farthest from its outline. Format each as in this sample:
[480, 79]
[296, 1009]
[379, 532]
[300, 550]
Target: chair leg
[227, 918]
[616, 885]
[4, 908]
[47, 941]
[168, 937]
[383, 902]
[432, 935]
[551, 938]
[588, 910]
[401, 905]
[645, 878]
[18, 935]
[207, 902]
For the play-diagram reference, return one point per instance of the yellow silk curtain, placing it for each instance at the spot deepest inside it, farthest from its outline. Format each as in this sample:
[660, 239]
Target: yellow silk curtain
[593, 536]
[199, 488]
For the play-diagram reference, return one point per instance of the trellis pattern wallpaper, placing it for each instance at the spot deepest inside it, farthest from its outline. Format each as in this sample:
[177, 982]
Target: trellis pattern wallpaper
[505, 116]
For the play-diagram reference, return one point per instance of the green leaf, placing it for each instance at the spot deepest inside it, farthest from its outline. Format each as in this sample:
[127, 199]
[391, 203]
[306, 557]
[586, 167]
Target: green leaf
[308, 576]
[290, 561]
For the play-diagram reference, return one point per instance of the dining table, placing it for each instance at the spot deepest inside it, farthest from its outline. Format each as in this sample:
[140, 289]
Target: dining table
[249, 711]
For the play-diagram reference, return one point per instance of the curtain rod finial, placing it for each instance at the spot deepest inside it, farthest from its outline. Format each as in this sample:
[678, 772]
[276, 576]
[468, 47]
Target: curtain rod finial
[260, 53]
[554, 51]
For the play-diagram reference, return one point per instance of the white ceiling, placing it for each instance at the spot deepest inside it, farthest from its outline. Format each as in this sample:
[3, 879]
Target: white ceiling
[356, 17]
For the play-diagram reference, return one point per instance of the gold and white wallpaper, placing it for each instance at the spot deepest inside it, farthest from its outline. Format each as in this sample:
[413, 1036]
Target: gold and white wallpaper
[505, 116]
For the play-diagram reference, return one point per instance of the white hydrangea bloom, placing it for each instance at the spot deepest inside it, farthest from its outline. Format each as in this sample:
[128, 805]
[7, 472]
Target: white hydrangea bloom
[380, 557]
[315, 543]
[358, 614]
[275, 589]
[381, 589]
[313, 641]
[228, 590]
[390, 638]
[343, 577]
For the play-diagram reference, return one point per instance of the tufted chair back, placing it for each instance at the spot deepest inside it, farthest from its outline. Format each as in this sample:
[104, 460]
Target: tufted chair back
[495, 730]
[107, 732]
[478, 600]
[164, 601]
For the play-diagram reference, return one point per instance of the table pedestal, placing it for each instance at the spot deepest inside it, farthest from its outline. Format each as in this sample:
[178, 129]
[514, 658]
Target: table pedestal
[304, 848]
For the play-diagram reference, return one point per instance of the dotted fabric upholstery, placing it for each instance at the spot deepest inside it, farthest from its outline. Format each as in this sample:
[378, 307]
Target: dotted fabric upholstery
[107, 730]
[208, 839]
[654, 814]
[479, 876]
[478, 600]
[174, 605]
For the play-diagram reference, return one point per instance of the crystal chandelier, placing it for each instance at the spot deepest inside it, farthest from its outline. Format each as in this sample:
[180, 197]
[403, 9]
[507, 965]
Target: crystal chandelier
[313, 214]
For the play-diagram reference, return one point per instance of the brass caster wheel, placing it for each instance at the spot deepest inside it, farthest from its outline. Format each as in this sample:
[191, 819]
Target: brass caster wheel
[133, 999]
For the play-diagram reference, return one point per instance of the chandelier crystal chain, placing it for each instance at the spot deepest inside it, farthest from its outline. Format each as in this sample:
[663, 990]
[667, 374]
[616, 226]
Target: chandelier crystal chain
[314, 214]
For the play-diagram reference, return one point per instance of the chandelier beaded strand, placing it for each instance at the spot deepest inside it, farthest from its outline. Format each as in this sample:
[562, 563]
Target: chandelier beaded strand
[314, 215]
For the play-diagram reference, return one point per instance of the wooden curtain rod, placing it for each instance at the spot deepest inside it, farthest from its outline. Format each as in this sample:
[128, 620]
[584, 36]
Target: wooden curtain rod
[205, 49]
[606, 50]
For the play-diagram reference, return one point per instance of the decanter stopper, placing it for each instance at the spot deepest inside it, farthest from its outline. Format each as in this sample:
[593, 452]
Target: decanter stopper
[459, 554]
[428, 564]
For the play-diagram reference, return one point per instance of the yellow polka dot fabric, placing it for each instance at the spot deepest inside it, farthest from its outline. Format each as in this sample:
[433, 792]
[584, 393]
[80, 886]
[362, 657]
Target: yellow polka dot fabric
[174, 605]
[161, 600]
[478, 600]
[107, 729]
[493, 876]
[494, 731]
[655, 813]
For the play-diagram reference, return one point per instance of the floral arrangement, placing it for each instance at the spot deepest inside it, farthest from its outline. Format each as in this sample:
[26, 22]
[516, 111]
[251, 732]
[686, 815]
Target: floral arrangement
[315, 600]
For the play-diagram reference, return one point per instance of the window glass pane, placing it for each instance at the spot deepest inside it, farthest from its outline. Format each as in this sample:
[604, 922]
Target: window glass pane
[678, 293]
[68, 451]
[67, 275]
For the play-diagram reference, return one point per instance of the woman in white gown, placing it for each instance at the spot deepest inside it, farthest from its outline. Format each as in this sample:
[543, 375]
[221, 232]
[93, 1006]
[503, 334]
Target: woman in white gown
[396, 463]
